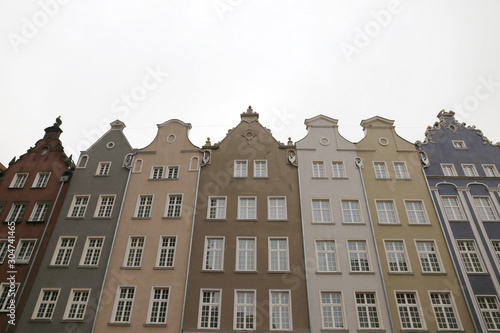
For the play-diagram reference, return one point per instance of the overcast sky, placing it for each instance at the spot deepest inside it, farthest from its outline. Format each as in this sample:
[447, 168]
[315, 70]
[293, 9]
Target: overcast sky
[145, 62]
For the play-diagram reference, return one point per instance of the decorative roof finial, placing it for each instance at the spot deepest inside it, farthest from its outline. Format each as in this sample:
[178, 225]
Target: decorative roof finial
[58, 121]
[249, 110]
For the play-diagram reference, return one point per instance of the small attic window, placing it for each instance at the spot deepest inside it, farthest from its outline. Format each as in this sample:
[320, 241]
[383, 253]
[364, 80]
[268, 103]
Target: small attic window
[82, 163]
[110, 145]
[44, 150]
[459, 144]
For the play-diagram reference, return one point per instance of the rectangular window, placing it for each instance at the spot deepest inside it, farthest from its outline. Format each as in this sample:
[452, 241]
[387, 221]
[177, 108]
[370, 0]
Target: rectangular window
[45, 304]
[409, 310]
[318, 169]
[39, 212]
[247, 208]
[358, 256]
[240, 168]
[469, 170]
[452, 208]
[2, 206]
[326, 256]
[448, 170]
[459, 144]
[260, 169]
[16, 212]
[4, 246]
[444, 311]
[386, 212]
[144, 206]
[366, 308]
[338, 170]
[490, 311]
[217, 208]
[428, 256]
[78, 206]
[400, 170]
[24, 250]
[214, 253]
[321, 211]
[246, 255]
[174, 205]
[63, 252]
[244, 310]
[209, 312]
[280, 310]
[416, 212]
[19, 180]
[490, 170]
[41, 180]
[166, 251]
[173, 172]
[92, 251]
[104, 206]
[496, 248]
[470, 256]
[380, 170]
[278, 254]
[135, 248]
[396, 256]
[276, 208]
[332, 315]
[351, 212]
[122, 309]
[77, 303]
[103, 168]
[485, 209]
[6, 295]
[158, 305]
[157, 172]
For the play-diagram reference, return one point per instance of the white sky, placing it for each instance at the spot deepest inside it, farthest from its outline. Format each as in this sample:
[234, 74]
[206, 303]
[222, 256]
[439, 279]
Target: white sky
[289, 59]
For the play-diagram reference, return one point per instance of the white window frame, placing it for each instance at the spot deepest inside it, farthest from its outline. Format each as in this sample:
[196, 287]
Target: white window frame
[397, 258]
[77, 304]
[247, 212]
[47, 306]
[495, 243]
[211, 305]
[240, 169]
[211, 255]
[459, 144]
[318, 169]
[358, 254]
[247, 309]
[82, 162]
[166, 252]
[442, 308]
[276, 209]
[326, 257]
[490, 170]
[401, 170]
[420, 216]
[448, 170]
[383, 214]
[104, 209]
[16, 212]
[332, 309]
[158, 305]
[368, 308]
[322, 213]
[412, 310]
[471, 257]
[219, 210]
[92, 252]
[19, 180]
[137, 167]
[349, 213]
[380, 169]
[173, 172]
[77, 209]
[103, 168]
[469, 170]
[338, 170]
[4, 246]
[260, 172]
[430, 256]
[275, 256]
[145, 209]
[249, 255]
[157, 172]
[135, 251]
[26, 257]
[452, 211]
[486, 212]
[282, 309]
[173, 209]
[63, 251]
[123, 303]
[41, 180]
[39, 211]
[5, 292]
[490, 311]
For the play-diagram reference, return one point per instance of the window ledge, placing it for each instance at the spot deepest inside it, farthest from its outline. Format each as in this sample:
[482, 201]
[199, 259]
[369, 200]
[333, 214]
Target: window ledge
[434, 273]
[164, 268]
[266, 177]
[279, 272]
[400, 273]
[40, 320]
[329, 273]
[132, 268]
[319, 223]
[140, 218]
[341, 178]
[101, 175]
[420, 224]
[353, 223]
[362, 273]
[414, 330]
[338, 330]
[212, 271]
[162, 179]
[171, 217]
[75, 217]
[391, 224]
[35, 222]
[88, 266]
[369, 330]
[245, 272]
[478, 273]
[154, 325]
[215, 220]
[277, 220]
[119, 324]
[58, 266]
[71, 320]
[403, 179]
[383, 178]
[247, 220]
[101, 218]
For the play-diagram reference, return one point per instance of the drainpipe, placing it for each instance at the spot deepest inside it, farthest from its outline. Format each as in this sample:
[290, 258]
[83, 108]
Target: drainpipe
[359, 165]
[63, 181]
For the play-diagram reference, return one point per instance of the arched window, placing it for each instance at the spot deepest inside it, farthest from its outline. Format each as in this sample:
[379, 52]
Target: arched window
[194, 163]
[82, 162]
[137, 166]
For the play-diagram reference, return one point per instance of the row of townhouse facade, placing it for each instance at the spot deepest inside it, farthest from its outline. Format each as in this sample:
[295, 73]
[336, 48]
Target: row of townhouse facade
[250, 234]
